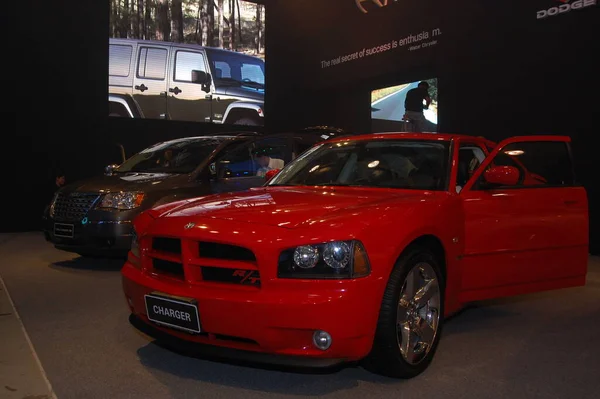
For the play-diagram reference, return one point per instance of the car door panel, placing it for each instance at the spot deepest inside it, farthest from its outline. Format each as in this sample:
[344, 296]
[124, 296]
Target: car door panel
[150, 80]
[188, 101]
[524, 235]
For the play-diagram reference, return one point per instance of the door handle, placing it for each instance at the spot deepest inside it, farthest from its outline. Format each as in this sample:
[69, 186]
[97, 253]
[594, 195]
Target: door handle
[175, 90]
[571, 202]
[141, 88]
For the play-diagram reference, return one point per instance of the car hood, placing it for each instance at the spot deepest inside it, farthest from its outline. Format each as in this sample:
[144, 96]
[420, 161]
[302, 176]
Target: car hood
[125, 182]
[291, 207]
[244, 92]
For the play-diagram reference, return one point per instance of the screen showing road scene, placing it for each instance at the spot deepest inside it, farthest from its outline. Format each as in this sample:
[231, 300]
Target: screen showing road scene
[407, 107]
[187, 60]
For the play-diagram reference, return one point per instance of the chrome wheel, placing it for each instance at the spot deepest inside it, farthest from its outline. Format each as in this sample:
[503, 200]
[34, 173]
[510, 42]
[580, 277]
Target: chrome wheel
[418, 313]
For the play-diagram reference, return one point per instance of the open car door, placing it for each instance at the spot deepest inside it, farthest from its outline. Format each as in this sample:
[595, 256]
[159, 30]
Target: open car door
[526, 221]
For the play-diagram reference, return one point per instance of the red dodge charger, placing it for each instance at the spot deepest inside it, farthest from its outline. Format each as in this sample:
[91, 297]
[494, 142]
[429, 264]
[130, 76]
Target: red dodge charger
[359, 249]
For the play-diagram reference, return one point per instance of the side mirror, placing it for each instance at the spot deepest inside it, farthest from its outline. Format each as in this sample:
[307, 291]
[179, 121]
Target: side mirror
[271, 173]
[502, 176]
[110, 169]
[200, 77]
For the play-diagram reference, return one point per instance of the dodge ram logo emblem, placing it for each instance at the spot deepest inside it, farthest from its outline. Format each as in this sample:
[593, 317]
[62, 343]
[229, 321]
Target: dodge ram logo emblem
[189, 225]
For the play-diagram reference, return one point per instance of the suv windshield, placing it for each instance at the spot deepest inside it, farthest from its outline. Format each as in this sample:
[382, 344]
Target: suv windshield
[176, 156]
[417, 165]
[232, 69]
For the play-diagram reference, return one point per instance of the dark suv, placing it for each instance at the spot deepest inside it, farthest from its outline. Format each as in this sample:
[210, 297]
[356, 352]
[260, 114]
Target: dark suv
[184, 82]
[93, 217]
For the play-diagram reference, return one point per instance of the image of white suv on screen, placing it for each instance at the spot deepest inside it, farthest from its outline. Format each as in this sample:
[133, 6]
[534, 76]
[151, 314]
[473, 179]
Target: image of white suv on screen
[184, 82]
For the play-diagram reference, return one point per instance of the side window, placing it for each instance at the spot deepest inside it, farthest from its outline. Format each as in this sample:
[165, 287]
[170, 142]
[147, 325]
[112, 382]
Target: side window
[253, 72]
[152, 63]
[222, 70]
[235, 162]
[272, 153]
[540, 162]
[300, 145]
[119, 59]
[470, 156]
[185, 63]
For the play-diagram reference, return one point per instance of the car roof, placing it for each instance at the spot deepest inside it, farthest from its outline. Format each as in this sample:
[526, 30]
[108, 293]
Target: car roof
[409, 136]
[183, 45]
[236, 135]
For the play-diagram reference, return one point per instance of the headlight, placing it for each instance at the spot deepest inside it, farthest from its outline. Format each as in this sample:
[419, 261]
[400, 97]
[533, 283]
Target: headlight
[135, 245]
[331, 260]
[52, 205]
[122, 200]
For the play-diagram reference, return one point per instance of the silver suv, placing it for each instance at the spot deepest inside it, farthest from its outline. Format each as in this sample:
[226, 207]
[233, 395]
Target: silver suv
[184, 82]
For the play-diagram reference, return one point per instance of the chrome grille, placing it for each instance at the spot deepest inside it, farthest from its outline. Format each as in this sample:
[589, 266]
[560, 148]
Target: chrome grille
[73, 206]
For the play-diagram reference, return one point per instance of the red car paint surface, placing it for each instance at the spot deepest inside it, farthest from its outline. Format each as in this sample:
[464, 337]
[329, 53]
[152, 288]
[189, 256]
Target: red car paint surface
[496, 242]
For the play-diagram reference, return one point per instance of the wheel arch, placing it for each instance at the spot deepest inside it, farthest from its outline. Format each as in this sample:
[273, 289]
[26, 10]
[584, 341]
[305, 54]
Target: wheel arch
[239, 109]
[127, 102]
[449, 265]
[435, 245]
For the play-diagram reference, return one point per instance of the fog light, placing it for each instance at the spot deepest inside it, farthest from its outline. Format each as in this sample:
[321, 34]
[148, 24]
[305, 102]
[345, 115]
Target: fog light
[322, 339]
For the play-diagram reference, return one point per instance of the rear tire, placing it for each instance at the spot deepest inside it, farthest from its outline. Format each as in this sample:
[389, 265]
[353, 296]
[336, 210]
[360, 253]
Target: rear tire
[411, 308]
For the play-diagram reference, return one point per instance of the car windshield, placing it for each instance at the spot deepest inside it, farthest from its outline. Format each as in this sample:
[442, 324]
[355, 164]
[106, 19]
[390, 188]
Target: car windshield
[233, 69]
[176, 156]
[404, 164]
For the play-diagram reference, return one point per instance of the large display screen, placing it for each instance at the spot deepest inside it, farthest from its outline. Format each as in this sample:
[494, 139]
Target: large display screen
[187, 60]
[406, 107]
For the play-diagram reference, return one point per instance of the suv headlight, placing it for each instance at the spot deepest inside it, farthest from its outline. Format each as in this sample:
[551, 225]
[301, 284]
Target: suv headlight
[331, 260]
[53, 205]
[122, 200]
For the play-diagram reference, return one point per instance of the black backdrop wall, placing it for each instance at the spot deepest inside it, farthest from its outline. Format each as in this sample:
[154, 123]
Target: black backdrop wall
[501, 72]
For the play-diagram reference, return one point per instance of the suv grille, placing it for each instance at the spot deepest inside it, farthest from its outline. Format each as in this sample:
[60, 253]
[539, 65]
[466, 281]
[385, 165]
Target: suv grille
[73, 206]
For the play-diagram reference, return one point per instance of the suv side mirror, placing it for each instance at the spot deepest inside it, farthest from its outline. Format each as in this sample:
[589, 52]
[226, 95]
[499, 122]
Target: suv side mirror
[502, 176]
[271, 173]
[200, 77]
[110, 169]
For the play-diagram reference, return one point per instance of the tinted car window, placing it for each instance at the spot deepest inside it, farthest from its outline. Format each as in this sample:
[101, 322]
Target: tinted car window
[234, 69]
[404, 164]
[542, 162]
[235, 162]
[271, 153]
[177, 156]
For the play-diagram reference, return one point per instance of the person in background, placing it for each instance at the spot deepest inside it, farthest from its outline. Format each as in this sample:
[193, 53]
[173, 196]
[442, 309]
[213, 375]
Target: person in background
[418, 100]
[265, 162]
[167, 160]
[55, 181]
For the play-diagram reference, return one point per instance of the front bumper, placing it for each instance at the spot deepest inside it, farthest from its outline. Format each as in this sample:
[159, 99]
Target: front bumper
[95, 237]
[219, 352]
[260, 322]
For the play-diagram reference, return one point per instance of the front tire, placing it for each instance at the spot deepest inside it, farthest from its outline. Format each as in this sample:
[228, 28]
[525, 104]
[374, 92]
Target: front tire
[410, 318]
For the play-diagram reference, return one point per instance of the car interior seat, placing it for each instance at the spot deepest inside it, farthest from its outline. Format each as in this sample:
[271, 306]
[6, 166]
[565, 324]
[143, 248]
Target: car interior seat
[427, 176]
